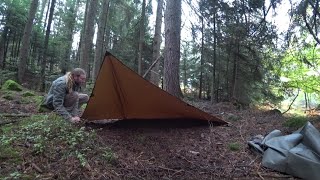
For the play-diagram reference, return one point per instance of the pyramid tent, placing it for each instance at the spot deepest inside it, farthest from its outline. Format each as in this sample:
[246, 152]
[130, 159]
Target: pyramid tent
[120, 93]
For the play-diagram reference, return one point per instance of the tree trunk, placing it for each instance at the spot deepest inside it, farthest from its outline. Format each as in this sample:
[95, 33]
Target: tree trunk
[43, 5]
[70, 24]
[81, 42]
[155, 77]
[24, 50]
[185, 82]
[227, 87]
[100, 39]
[141, 37]
[201, 59]
[3, 41]
[172, 47]
[86, 47]
[235, 73]
[213, 91]
[45, 20]
[45, 50]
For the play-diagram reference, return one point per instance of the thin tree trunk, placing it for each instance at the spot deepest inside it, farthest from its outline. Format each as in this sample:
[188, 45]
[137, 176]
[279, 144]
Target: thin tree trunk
[213, 91]
[306, 101]
[13, 45]
[172, 47]
[3, 41]
[45, 51]
[70, 24]
[24, 50]
[201, 59]
[86, 47]
[184, 59]
[100, 38]
[141, 37]
[235, 73]
[154, 77]
[227, 75]
[6, 49]
[16, 49]
[292, 102]
[218, 89]
[43, 5]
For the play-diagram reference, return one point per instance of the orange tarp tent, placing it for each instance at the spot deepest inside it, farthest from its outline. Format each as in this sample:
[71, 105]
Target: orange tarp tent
[120, 93]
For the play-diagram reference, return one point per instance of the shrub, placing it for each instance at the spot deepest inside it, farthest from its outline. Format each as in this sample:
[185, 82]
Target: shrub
[296, 122]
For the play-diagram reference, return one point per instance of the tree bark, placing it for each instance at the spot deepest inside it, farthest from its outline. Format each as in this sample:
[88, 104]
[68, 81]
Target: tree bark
[172, 47]
[201, 60]
[86, 47]
[141, 37]
[45, 50]
[100, 39]
[3, 41]
[43, 5]
[69, 28]
[24, 50]
[155, 77]
[213, 91]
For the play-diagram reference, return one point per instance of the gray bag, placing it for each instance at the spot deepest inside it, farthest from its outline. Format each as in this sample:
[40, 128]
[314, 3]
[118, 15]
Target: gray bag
[296, 154]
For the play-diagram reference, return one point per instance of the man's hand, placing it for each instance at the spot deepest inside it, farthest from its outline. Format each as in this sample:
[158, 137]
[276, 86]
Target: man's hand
[75, 119]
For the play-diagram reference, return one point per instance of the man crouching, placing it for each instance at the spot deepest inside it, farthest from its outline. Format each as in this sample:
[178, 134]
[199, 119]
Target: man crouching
[64, 97]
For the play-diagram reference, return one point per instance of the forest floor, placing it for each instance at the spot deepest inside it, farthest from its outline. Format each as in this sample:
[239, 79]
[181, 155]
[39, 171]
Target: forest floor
[43, 146]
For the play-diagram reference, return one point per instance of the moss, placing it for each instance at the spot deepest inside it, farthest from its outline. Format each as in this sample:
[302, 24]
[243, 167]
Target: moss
[11, 86]
[234, 146]
[27, 94]
[8, 96]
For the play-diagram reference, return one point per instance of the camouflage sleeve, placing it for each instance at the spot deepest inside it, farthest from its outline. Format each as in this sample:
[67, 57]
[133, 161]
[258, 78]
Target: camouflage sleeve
[75, 110]
[59, 93]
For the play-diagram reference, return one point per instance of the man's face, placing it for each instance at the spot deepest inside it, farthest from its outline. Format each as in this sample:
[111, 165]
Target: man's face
[80, 79]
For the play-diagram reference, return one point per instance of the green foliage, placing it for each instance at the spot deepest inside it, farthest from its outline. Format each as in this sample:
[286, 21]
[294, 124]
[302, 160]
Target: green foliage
[11, 86]
[27, 94]
[8, 96]
[299, 70]
[233, 117]
[109, 156]
[296, 122]
[234, 146]
[49, 136]
[9, 153]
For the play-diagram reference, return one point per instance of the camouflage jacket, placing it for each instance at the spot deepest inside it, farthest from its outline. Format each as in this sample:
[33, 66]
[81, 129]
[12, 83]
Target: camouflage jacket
[55, 98]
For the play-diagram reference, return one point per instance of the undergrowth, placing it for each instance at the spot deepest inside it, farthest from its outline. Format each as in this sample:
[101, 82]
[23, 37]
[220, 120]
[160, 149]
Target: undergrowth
[46, 141]
[296, 121]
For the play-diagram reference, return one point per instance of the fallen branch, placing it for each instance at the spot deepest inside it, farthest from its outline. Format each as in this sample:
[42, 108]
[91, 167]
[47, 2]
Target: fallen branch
[275, 176]
[36, 168]
[14, 120]
[15, 115]
[152, 65]
[259, 174]
[169, 169]
[8, 122]
[292, 102]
